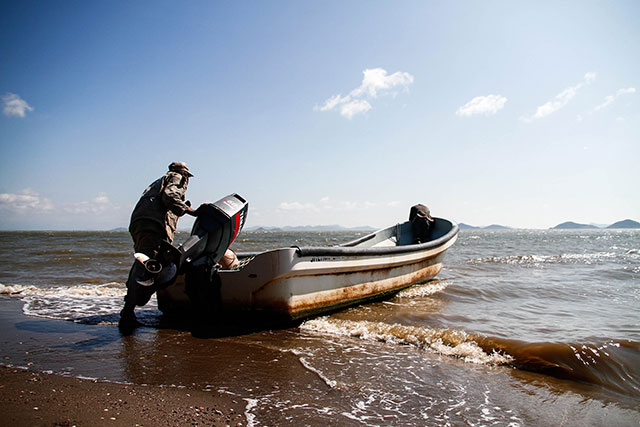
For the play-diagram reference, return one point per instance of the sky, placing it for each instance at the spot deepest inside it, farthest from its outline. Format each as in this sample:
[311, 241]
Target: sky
[525, 114]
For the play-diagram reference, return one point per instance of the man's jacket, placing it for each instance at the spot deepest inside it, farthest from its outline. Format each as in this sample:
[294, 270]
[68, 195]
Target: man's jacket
[163, 202]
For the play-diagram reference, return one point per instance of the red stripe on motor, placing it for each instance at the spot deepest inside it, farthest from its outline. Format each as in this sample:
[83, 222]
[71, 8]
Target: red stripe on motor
[237, 227]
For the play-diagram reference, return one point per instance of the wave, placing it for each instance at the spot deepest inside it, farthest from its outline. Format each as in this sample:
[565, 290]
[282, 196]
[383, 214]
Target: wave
[125, 256]
[535, 260]
[424, 290]
[442, 341]
[84, 303]
[107, 289]
[54, 252]
[612, 364]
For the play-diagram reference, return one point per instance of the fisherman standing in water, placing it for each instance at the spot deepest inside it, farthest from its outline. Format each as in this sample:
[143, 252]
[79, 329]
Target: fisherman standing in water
[153, 220]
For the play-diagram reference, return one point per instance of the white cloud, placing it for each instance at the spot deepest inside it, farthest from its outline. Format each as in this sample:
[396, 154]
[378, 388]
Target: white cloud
[83, 208]
[375, 82]
[297, 206]
[97, 205]
[376, 79]
[590, 77]
[349, 206]
[486, 105]
[607, 100]
[13, 105]
[331, 103]
[356, 206]
[25, 200]
[30, 201]
[560, 100]
[101, 199]
[610, 98]
[352, 108]
[310, 207]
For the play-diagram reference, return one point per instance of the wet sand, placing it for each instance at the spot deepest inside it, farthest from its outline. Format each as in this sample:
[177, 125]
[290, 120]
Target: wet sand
[32, 396]
[29, 398]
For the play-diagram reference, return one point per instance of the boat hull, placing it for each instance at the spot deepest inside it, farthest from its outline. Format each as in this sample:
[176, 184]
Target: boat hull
[296, 283]
[311, 295]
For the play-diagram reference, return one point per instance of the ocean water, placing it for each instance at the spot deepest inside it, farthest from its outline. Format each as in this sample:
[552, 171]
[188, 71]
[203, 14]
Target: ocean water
[521, 327]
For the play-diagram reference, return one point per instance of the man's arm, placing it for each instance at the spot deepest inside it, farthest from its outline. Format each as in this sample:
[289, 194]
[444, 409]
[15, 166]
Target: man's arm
[174, 193]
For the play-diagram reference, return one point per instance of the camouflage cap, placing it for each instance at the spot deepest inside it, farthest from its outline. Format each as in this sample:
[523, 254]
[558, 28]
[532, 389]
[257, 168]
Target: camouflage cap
[420, 211]
[180, 167]
[426, 213]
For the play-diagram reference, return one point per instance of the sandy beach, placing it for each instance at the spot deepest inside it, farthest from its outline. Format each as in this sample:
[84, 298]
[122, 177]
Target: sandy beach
[29, 398]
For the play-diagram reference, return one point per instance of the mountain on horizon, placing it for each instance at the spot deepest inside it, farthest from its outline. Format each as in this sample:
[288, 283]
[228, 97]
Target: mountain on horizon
[464, 226]
[627, 223]
[332, 227]
[570, 225]
[496, 227]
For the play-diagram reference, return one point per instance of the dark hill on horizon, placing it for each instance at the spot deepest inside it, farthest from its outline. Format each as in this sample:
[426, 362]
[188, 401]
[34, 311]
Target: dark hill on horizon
[464, 226]
[627, 223]
[570, 225]
[333, 227]
[496, 227]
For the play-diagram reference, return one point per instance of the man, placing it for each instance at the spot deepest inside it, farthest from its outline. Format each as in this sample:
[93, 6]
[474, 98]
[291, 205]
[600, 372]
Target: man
[421, 221]
[153, 220]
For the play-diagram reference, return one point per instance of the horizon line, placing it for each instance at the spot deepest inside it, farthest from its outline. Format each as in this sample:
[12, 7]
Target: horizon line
[324, 227]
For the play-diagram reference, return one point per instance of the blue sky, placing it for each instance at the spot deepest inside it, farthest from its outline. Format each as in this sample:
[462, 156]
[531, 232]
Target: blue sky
[332, 112]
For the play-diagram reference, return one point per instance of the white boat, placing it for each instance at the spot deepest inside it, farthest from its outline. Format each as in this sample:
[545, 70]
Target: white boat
[300, 282]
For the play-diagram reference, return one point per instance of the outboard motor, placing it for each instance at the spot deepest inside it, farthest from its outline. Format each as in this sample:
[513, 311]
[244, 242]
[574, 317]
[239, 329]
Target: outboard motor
[216, 227]
[214, 230]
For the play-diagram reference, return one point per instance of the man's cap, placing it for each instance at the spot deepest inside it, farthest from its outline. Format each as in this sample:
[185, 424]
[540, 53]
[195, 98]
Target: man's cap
[180, 167]
[426, 213]
[421, 211]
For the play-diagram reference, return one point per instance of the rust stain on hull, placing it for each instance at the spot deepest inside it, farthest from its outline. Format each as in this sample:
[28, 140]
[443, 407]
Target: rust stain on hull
[358, 294]
[369, 285]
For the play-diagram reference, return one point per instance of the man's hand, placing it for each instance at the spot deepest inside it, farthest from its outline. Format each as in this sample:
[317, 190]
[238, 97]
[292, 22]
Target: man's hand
[195, 212]
[200, 209]
[190, 211]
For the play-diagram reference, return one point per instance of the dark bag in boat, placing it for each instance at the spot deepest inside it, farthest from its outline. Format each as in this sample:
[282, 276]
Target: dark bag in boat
[420, 218]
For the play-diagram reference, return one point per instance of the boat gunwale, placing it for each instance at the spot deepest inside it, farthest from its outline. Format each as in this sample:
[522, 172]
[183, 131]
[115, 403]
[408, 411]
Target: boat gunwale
[334, 270]
[385, 250]
[348, 250]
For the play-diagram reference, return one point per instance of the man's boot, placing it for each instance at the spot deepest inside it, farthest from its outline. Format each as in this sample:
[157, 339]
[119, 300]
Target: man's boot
[128, 317]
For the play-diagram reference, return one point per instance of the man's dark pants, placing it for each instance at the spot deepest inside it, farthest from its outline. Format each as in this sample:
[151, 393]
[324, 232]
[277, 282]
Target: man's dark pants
[147, 236]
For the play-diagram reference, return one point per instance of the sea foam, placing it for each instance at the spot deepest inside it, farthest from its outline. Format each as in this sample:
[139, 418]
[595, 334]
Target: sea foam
[101, 303]
[447, 342]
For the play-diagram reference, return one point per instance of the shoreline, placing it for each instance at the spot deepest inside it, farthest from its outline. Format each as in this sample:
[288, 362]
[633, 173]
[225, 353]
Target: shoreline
[61, 374]
[29, 398]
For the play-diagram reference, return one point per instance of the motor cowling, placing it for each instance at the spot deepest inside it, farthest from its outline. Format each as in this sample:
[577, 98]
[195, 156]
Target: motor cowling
[216, 227]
